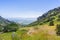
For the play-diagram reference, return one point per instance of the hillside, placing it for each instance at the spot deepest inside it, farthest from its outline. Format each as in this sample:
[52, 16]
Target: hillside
[52, 15]
[46, 18]
[4, 21]
[6, 25]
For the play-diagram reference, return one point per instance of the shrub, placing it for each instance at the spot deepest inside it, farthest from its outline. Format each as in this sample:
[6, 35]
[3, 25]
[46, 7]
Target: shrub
[41, 23]
[58, 16]
[1, 28]
[58, 19]
[51, 23]
[58, 29]
[10, 27]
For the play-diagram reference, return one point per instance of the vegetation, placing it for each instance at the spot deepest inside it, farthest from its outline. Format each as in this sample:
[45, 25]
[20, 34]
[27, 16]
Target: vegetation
[10, 27]
[58, 29]
[51, 23]
[47, 27]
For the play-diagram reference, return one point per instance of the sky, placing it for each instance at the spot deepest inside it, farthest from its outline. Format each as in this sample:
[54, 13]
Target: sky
[26, 8]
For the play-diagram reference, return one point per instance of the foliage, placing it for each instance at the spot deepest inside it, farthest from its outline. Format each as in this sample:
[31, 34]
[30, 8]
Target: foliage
[58, 29]
[10, 27]
[1, 28]
[58, 18]
[51, 23]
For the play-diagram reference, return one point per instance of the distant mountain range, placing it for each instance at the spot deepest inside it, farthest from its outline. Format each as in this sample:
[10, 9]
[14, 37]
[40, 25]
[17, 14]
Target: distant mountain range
[23, 21]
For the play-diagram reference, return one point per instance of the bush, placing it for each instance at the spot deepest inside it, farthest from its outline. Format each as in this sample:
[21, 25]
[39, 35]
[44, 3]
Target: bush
[51, 23]
[10, 27]
[58, 19]
[58, 16]
[58, 29]
[1, 28]
[41, 23]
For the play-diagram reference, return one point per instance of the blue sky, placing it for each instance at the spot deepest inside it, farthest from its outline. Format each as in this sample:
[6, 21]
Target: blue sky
[26, 8]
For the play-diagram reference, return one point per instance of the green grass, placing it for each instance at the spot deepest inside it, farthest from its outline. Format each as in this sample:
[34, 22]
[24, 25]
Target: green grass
[5, 36]
[22, 35]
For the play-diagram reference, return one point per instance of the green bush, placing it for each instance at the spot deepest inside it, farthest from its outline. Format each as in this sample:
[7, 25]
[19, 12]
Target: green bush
[58, 16]
[51, 23]
[58, 29]
[1, 28]
[58, 19]
[10, 27]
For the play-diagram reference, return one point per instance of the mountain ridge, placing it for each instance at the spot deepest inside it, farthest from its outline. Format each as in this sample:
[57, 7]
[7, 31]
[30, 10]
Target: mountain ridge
[46, 18]
[4, 21]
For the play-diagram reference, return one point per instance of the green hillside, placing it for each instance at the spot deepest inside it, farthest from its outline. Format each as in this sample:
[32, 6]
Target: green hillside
[6, 25]
[50, 16]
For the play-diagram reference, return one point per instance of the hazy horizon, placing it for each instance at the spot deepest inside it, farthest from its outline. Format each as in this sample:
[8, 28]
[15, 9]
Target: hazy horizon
[26, 8]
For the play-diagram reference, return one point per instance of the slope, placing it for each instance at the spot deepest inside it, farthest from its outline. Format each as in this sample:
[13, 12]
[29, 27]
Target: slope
[48, 17]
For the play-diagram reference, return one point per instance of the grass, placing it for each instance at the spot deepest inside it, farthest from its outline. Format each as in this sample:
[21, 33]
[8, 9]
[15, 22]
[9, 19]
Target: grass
[5, 36]
[40, 33]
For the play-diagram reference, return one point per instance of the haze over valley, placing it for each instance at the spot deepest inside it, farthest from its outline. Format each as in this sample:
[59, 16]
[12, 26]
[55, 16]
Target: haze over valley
[23, 21]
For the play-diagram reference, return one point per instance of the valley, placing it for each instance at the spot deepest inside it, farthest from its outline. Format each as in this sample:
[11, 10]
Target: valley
[46, 27]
